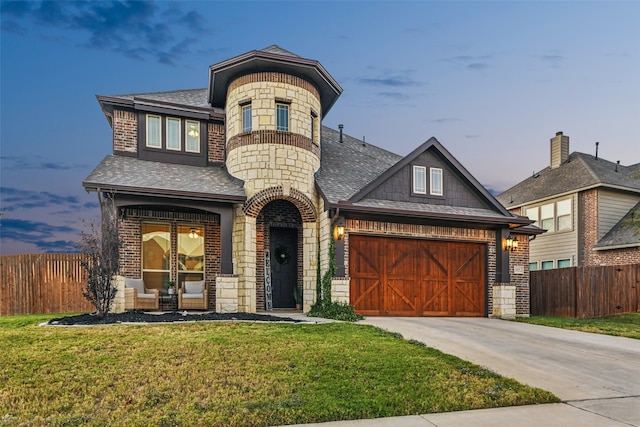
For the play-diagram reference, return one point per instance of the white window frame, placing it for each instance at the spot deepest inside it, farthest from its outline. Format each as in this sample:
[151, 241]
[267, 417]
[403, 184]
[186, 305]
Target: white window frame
[433, 189]
[564, 214]
[564, 266]
[419, 183]
[189, 138]
[247, 120]
[159, 122]
[179, 134]
[542, 265]
[534, 264]
[533, 214]
[548, 220]
[281, 107]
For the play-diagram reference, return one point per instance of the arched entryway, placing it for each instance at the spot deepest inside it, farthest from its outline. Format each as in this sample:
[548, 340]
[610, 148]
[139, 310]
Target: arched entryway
[279, 255]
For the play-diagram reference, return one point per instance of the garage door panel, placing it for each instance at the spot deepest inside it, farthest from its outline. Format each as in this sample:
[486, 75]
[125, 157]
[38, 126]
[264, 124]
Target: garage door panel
[409, 277]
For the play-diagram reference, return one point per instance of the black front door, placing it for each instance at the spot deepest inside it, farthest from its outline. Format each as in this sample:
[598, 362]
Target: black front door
[284, 266]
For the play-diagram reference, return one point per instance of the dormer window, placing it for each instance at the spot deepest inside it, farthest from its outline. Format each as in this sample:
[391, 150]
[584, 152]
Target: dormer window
[154, 132]
[162, 133]
[246, 118]
[435, 182]
[420, 180]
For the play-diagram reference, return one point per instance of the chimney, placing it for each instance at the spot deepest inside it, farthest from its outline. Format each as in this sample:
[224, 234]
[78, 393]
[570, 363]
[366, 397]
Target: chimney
[340, 126]
[559, 149]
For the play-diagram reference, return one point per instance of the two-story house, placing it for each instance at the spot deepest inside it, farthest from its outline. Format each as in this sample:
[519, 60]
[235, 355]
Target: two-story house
[240, 185]
[585, 204]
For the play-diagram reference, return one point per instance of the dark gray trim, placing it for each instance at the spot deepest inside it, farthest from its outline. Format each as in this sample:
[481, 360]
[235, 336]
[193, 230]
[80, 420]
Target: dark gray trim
[172, 194]
[502, 257]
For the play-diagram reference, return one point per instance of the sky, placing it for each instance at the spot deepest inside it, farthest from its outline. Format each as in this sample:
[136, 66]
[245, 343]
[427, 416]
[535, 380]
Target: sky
[492, 81]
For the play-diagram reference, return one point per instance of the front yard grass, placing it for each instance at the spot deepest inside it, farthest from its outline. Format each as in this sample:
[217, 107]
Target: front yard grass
[623, 325]
[232, 374]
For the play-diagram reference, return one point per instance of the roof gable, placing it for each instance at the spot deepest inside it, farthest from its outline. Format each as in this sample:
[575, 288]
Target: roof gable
[580, 171]
[623, 234]
[462, 188]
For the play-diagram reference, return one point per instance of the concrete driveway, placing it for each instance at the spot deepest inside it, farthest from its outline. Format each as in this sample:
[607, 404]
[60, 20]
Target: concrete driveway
[597, 374]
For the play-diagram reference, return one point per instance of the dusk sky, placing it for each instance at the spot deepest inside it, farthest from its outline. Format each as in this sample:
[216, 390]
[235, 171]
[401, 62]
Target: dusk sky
[492, 81]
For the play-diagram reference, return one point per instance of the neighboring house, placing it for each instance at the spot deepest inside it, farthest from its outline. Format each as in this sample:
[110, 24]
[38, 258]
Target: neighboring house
[239, 184]
[585, 204]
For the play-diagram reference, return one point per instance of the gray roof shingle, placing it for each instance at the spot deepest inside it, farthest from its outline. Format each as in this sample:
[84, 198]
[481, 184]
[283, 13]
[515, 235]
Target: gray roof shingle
[578, 172]
[133, 175]
[348, 166]
[624, 233]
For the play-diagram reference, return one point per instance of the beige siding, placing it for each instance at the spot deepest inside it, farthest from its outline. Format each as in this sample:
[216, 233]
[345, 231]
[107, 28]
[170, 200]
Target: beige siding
[552, 246]
[612, 206]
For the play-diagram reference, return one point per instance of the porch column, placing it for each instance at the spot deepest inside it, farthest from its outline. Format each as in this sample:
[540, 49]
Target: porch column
[226, 241]
[244, 256]
[310, 264]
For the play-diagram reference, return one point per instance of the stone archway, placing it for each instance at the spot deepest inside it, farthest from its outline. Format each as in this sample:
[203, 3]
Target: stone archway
[255, 204]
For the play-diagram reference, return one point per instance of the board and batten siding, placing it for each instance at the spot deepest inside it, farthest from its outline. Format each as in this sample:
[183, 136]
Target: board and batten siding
[612, 206]
[552, 246]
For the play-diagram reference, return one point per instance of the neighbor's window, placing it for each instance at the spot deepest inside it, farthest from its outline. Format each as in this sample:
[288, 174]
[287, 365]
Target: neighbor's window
[532, 213]
[190, 253]
[547, 265]
[154, 132]
[420, 180]
[246, 118]
[173, 134]
[156, 254]
[563, 212]
[546, 215]
[436, 181]
[564, 263]
[282, 117]
[533, 266]
[193, 136]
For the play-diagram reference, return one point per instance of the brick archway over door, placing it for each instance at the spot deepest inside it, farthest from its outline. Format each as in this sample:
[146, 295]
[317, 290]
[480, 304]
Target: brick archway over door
[255, 204]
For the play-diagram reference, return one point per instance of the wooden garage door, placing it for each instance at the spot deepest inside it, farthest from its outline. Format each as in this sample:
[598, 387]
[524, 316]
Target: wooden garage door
[407, 277]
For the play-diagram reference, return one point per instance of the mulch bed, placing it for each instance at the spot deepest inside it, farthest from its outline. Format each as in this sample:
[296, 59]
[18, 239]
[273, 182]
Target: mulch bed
[142, 317]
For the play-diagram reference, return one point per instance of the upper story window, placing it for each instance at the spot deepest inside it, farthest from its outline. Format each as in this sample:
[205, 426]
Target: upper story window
[420, 179]
[193, 136]
[154, 131]
[436, 182]
[313, 120]
[282, 117]
[246, 118]
[173, 134]
[552, 216]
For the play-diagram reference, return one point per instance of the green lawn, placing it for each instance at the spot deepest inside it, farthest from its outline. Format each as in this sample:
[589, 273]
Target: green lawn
[232, 374]
[623, 325]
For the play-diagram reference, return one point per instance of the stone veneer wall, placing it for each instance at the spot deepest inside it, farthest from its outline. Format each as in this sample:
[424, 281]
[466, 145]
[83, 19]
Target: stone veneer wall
[131, 233]
[429, 232]
[125, 131]
[588, 223]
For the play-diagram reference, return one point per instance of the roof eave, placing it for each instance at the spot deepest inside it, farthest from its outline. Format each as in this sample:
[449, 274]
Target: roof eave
[622, 246]
[139, 191]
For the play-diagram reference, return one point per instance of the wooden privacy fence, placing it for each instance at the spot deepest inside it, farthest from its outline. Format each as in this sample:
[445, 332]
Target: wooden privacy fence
[42, 283]
[585, 291]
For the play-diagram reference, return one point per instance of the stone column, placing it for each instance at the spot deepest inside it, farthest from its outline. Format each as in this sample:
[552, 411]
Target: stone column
[504, 301]
[244, 255]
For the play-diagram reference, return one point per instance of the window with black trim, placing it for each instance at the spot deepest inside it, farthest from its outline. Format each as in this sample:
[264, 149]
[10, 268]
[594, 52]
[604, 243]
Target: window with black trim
[246, 118]
[282, 117]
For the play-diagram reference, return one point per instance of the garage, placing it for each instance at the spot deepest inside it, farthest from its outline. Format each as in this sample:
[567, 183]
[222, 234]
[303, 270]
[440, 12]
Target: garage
[411, 277]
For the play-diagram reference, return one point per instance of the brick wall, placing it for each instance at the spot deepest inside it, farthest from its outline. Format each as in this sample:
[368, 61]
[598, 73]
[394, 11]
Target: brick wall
[588, 203]
[519, 258]
[131, 232]
[215, 142]
[278, 213]
[125, 131]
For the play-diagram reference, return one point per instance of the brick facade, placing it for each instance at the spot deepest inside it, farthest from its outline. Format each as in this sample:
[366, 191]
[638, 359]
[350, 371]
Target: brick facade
[125, 131]
[131, 232]
[588, 223]
[215, 143]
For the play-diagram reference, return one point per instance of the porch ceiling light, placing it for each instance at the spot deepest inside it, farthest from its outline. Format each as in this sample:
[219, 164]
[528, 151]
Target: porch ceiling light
[193, 233]
[193, 132]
